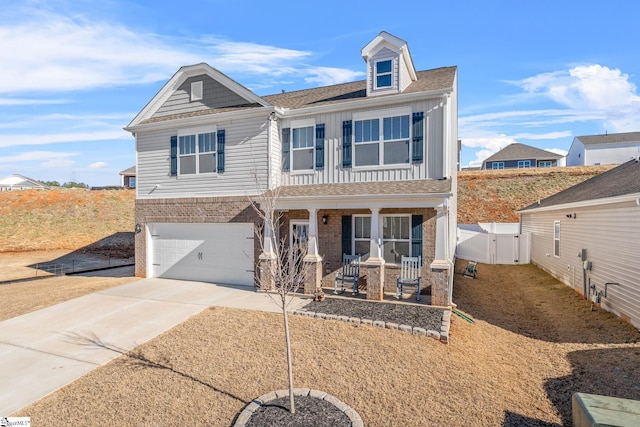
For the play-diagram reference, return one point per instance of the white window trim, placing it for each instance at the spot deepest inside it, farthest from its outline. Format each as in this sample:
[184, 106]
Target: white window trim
[380, 232]
[557, 255]
[494, 164]
[545, 164]
[196, 131]
[524, 164]
[382, 239]
[353, 228]
[391, 73]
[296, 124]
[196, 91]
[381, 115]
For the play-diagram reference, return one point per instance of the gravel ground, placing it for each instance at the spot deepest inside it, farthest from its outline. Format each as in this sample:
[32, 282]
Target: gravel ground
[429, 318]
[534, 343]
[309, 412]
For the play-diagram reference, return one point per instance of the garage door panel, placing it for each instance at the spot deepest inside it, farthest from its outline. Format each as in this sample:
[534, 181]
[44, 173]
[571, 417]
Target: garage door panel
[219, 253]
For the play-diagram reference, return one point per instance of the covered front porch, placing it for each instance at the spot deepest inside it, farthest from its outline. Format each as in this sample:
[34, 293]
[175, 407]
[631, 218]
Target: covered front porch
[381, 222]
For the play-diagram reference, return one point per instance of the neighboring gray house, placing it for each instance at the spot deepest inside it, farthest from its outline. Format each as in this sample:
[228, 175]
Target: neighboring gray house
[607, 149]
[517, 155]
[366, 167]
[19, 182]
[129, 177]
[597, 221]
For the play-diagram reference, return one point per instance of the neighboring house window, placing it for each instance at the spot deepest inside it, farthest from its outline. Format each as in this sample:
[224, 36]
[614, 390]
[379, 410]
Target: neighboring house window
[556, 238]
[545, 164]
[497, 165]
[132, 182]
[381, 141]
[361, 235]
[396, 238]
[196, 91]
[384, 76]
[303, 146]
[197, 153]
[524, 164]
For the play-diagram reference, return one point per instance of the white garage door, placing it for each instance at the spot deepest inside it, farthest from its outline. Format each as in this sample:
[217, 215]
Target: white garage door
[216, 253]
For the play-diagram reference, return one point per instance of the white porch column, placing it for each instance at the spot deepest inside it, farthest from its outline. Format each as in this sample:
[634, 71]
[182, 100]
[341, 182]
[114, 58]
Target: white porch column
[267, 242]
[441, 232]
[375, 248]
[312, 243]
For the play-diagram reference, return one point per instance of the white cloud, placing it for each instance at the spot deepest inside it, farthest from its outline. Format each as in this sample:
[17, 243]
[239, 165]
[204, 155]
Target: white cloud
[35, 139]
[46, 51]
[325, 76]
[97, 165]
[36, 156]
[58, 163]
[560, 151]
[605, 92]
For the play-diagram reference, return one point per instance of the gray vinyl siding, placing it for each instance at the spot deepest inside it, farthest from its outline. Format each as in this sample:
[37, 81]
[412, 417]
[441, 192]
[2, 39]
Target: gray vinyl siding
[245, 159]
[609, 234]
[214, 95]
[432, 167]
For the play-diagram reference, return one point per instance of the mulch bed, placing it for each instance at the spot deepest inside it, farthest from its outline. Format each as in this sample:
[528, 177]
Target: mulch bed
[429, 318]
[310, 411]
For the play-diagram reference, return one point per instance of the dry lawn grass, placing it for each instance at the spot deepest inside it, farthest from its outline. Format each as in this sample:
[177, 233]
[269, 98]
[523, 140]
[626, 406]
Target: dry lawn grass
[533, 344]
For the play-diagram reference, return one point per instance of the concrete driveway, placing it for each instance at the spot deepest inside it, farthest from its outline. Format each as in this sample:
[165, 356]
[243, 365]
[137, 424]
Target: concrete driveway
[44, 350]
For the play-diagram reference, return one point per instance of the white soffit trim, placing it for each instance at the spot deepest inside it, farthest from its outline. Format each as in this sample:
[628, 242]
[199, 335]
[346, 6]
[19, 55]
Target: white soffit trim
[585, 204]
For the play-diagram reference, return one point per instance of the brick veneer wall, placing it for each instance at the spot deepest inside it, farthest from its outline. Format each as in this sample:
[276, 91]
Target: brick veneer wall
[330, 241]
[191, 210]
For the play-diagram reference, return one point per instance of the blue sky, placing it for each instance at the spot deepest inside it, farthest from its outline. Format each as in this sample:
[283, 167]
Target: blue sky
[74, 73]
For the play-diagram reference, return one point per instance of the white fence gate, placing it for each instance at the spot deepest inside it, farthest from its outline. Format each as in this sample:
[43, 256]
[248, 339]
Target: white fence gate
[491, 248]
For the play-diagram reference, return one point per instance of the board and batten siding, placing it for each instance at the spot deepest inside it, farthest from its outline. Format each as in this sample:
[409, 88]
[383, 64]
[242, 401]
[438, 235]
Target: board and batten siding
[432, 167]
[245, 159]
[214, 95]
[611, 236]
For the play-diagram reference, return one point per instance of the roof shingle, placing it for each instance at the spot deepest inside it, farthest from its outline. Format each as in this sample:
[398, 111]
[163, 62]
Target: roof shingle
[518, 151]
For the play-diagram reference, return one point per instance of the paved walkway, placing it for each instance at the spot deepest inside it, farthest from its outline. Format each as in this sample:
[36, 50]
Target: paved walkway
[49, 348]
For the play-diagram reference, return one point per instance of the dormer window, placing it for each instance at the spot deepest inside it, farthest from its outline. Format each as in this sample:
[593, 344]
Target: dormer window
[384, 78]
[196, 91]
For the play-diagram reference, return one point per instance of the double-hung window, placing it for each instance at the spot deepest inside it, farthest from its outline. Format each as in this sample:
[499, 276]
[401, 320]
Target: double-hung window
[382, 140]
[396, 238]
[362, 235]
[497, 165]
[545, 164]
[524, 164]
[197, 152]
[384, 76]
[302, 143]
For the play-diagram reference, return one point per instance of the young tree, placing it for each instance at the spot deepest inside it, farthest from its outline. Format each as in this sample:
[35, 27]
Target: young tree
[282, 270]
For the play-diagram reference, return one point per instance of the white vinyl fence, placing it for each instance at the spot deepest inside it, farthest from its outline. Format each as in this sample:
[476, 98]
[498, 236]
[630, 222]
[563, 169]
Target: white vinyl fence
[477, 244]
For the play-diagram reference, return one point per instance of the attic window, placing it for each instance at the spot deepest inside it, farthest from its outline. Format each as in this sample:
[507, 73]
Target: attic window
[384, 78]
[196, 91]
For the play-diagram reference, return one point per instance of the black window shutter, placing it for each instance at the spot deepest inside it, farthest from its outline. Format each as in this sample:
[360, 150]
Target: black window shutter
[346, 235]
[173, 156]
[320, 146]
[220, 151]
[346, 144]
[286, 142]
[416, 235]
[417, 154]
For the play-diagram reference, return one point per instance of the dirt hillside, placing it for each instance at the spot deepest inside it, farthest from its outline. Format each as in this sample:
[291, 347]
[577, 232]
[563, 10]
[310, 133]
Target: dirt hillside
[495, 196]
[36, 220]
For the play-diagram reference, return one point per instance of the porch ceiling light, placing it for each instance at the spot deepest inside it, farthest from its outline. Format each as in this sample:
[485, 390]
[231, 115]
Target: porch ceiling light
[325, 219]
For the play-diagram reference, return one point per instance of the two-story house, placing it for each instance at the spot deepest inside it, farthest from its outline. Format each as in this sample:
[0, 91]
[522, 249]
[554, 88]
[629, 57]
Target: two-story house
[607, 149]
[367, 167]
